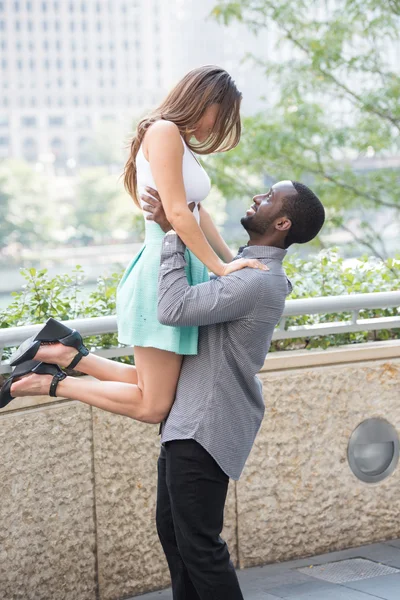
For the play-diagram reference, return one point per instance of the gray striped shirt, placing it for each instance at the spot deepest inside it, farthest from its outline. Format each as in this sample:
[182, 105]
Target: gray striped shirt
[219, 399]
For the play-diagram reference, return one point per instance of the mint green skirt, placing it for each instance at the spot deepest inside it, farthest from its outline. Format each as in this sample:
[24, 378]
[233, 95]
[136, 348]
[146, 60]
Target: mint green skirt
[137, 300]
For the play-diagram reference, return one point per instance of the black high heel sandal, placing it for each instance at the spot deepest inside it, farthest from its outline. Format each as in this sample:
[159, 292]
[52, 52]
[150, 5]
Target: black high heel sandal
[31, 366]
[53, 331]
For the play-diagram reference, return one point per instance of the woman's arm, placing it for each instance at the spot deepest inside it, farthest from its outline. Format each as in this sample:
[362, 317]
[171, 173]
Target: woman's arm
[164, 148]
[213, 236]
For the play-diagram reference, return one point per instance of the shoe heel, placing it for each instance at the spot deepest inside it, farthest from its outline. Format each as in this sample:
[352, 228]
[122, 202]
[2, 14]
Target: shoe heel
[52, 331]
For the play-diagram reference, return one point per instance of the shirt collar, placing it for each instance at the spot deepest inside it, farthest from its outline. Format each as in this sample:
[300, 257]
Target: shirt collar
[262, 252]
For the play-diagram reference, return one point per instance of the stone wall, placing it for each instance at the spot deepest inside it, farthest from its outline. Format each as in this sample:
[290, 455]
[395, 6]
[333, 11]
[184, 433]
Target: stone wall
[78, 486]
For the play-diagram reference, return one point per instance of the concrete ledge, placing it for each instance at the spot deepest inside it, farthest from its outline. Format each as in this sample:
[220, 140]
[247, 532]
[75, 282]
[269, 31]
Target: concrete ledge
[298, 359]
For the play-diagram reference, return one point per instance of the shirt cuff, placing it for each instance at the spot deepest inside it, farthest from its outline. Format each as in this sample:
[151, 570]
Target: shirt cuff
[172, 243]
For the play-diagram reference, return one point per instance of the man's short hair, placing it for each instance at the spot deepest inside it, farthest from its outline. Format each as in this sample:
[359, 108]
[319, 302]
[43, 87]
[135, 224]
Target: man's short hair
[306, 212]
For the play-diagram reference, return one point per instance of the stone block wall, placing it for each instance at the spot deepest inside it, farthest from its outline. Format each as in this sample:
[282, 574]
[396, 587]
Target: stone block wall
[78, 486]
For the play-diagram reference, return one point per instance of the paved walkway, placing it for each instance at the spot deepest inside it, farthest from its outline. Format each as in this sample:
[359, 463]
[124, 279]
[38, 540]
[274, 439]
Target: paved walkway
[284, 580]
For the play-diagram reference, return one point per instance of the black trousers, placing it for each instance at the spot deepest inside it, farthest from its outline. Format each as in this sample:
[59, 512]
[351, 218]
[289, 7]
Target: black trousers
[191, 497]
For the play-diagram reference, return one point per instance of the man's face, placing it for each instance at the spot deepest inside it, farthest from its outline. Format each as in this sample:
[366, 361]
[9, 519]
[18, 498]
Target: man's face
[266, 207]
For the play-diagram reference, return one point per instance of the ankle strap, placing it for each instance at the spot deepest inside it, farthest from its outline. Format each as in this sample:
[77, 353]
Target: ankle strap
[54, 383]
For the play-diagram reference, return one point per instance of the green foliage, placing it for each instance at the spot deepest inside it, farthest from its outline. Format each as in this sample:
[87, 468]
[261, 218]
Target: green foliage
[325, 274]
[336, 107]
[322, 275]
[61, 298]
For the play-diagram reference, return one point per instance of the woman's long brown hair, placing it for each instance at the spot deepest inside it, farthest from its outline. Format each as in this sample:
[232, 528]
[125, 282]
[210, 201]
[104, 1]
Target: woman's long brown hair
[185, 105]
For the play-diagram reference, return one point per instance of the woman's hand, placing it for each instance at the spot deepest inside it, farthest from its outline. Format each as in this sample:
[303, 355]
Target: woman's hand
[242, 263]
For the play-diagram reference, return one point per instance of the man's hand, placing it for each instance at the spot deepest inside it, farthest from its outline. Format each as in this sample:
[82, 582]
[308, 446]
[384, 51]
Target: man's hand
[155, 208]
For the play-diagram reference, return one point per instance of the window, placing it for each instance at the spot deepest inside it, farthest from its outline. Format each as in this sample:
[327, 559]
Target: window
[83, 7]
[57, 25]
[100, 63]
[98, 7]
[5, 101]
[46, 44]
[46, 63]
[48, 100]
[73, 63]
[17, 6]
[29, 6]
[86, 64]
[4, 141]
[59, 63]
[19, 65]
[31, 46]
[99, 26]
[33, 101]
[58, 45]
[60, 82]
[44, 6]
[32, 64]
[76, 100]
[1, 6]
[17, 25]
[28, 121]
[4, 121]
[72, 26]
[56, 121]
[18, 46]
[30, 25]
[4, 64]
[2, 25]
[3, 45]
[45, 25]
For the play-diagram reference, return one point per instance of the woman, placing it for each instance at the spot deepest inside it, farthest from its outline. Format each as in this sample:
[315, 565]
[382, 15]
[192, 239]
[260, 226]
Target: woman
[204, 105]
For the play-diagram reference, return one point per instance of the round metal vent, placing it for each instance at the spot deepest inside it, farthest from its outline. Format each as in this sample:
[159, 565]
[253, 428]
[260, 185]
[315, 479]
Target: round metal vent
[373, 450]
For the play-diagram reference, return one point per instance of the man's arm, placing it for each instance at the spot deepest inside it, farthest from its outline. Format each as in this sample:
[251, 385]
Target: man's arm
[221, 299]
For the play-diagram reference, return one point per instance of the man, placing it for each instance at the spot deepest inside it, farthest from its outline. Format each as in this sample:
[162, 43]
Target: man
[218, 407]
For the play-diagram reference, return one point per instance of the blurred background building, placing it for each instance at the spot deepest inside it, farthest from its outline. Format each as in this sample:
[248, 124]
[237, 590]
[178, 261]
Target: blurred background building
[68, 66]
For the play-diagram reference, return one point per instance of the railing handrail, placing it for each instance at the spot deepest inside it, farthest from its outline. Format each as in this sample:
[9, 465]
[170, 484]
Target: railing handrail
[352, 303]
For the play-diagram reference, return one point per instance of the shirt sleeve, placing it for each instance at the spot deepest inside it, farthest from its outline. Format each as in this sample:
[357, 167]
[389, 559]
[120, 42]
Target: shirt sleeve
[221, 299]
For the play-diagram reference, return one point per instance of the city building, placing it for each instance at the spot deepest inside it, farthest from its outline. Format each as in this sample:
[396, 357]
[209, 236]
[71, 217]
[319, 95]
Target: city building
[65, 66]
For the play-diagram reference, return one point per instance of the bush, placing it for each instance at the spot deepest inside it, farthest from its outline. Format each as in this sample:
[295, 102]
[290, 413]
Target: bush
[322, 275]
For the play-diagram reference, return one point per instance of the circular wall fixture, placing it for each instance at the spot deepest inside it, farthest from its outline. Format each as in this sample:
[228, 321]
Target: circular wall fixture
[373, 450]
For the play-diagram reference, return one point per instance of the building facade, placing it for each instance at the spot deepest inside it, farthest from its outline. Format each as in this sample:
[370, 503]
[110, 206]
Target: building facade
[67, 65]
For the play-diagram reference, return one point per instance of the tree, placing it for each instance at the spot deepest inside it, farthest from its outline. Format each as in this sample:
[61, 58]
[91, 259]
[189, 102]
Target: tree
[102, 207]
[337, 103]
[25, 215]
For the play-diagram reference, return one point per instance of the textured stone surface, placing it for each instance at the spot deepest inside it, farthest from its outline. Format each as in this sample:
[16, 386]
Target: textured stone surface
[47, 530]
[297, 495]
[131, 559]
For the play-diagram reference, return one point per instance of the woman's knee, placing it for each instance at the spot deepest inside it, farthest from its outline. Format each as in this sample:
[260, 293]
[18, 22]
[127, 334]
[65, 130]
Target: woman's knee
[155, 409]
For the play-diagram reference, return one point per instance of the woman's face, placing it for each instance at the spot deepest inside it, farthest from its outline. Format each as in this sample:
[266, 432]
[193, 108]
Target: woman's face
[206, 123]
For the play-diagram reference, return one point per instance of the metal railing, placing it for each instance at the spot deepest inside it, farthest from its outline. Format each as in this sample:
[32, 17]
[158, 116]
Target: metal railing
[352, 303]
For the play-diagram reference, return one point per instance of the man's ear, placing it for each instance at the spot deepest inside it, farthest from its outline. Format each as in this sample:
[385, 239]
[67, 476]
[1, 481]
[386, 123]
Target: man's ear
[283, 224]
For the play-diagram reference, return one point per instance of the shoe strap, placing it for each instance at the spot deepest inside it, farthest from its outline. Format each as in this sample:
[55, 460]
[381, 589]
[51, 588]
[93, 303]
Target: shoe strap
[55, 381]
[83, 351]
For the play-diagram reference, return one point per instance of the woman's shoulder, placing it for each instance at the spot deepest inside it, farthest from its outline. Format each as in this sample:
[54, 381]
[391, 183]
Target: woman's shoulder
[163, 128]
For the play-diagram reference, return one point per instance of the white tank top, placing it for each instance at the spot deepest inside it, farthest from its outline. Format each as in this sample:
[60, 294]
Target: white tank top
[196, 181]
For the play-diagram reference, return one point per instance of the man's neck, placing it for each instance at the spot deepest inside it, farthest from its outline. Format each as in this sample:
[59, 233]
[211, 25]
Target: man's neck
[260, 241]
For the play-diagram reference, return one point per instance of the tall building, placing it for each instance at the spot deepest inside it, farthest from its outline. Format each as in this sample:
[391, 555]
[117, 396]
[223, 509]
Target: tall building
[67, 65]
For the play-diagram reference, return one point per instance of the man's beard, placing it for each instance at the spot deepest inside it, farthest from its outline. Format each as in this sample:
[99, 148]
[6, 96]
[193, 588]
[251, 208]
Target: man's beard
[255, 226]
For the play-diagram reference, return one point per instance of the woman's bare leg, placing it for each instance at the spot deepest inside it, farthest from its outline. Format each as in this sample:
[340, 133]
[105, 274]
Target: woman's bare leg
[149, 401]
[96, 366]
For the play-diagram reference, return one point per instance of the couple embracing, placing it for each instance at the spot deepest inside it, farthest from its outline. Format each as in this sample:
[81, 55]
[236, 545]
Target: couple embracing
[199, 340]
